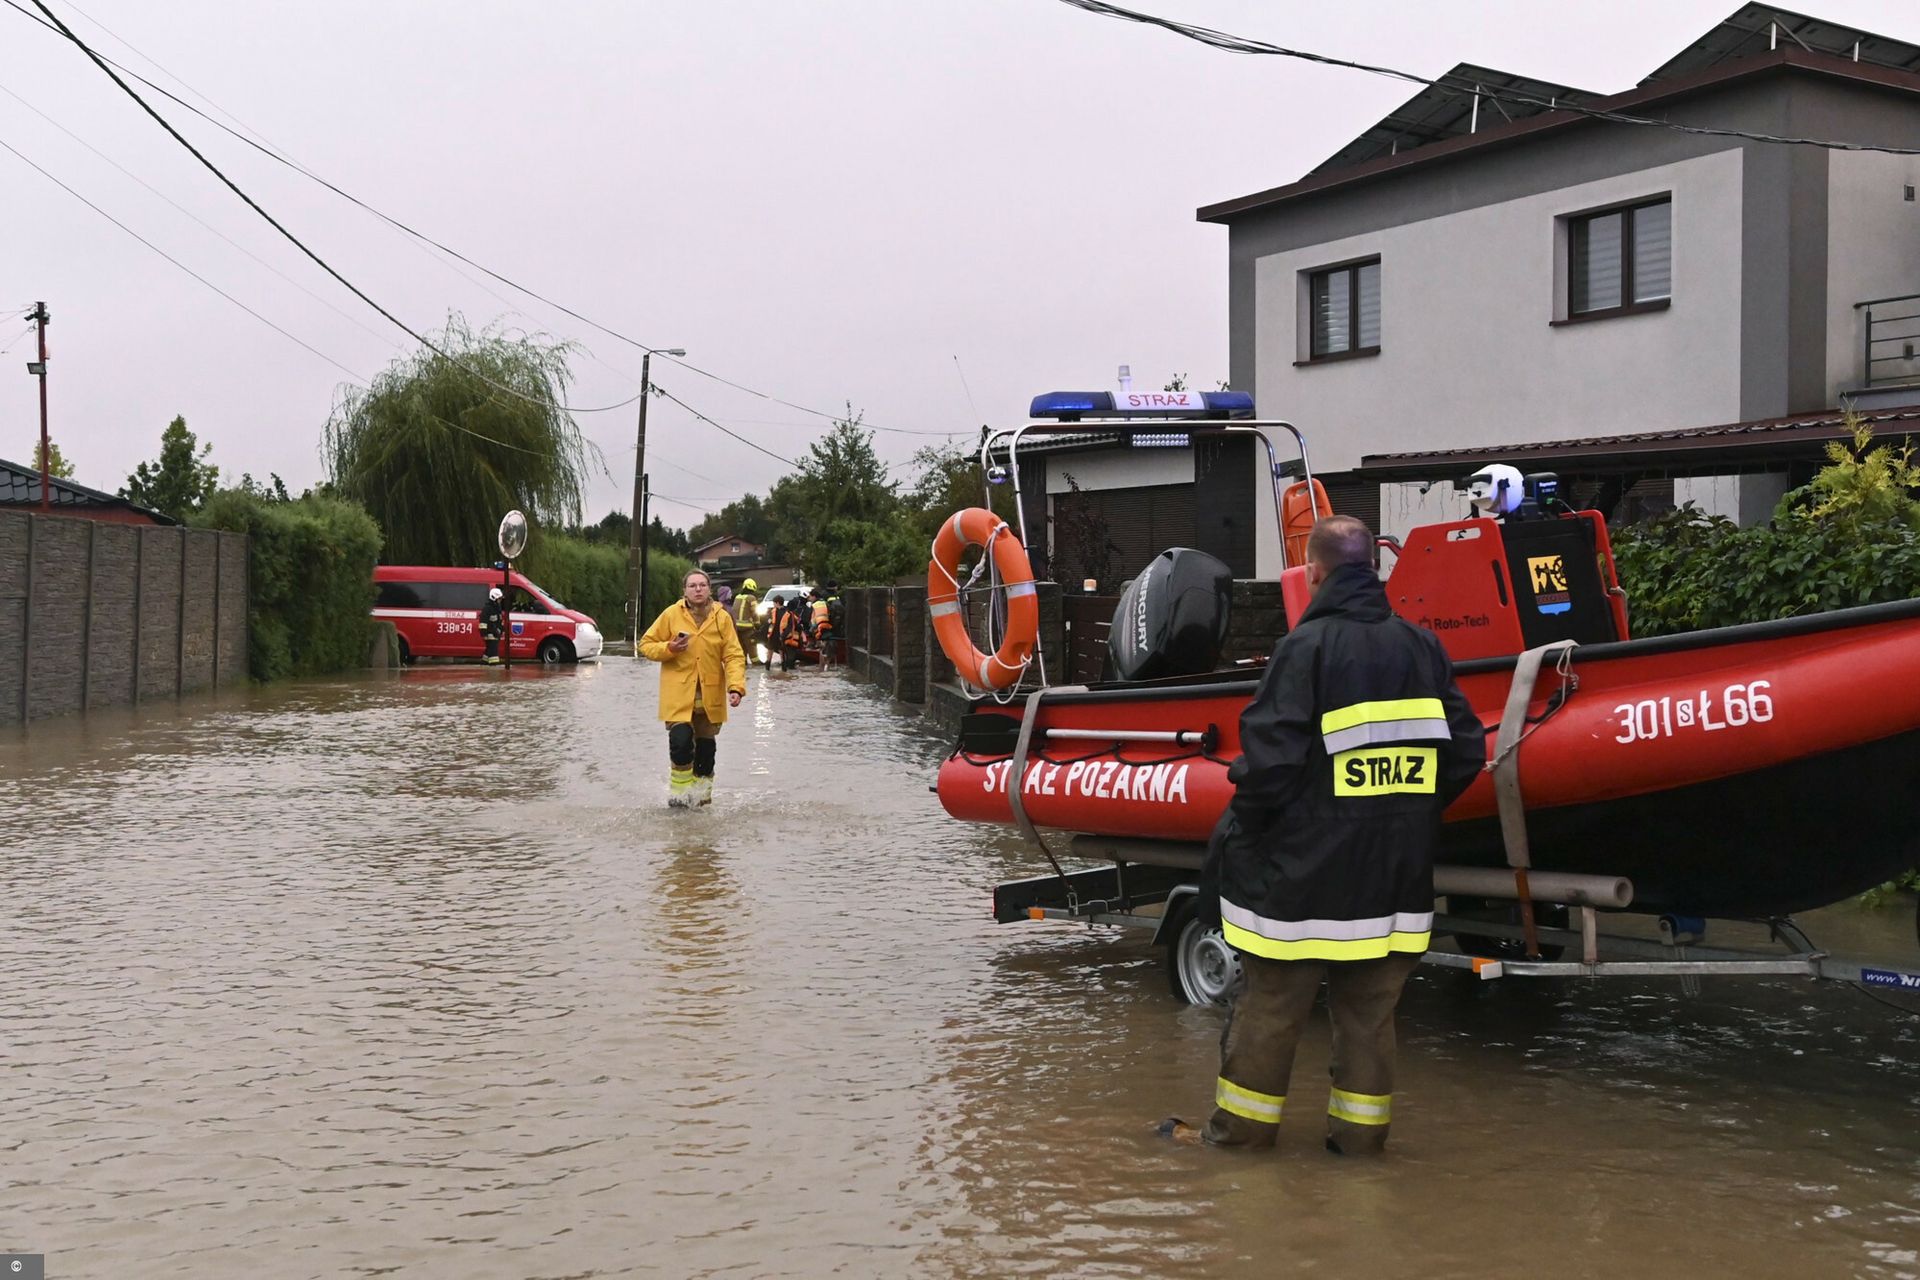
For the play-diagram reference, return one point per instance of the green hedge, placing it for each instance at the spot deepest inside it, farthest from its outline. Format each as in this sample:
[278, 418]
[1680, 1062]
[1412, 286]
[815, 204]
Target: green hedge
[592, 577]
[309, 580]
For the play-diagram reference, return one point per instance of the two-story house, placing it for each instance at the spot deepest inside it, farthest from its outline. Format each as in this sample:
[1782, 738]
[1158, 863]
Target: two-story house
[1661, 294]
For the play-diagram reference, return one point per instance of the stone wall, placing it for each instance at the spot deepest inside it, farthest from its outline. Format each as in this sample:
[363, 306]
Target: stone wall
[95, 614]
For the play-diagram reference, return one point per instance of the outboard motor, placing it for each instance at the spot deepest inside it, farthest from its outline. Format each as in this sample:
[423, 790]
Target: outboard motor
[1172, 620]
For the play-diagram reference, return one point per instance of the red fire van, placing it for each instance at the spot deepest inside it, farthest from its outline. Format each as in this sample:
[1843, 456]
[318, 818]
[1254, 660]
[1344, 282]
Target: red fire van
[437, 612]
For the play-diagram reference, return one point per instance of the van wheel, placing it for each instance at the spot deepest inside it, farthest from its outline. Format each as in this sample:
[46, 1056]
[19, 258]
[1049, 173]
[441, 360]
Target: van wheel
[406, 653]
[553, 649]
[1201, 967]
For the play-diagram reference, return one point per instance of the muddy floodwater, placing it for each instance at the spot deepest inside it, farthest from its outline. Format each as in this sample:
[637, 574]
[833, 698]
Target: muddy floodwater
[416, 976]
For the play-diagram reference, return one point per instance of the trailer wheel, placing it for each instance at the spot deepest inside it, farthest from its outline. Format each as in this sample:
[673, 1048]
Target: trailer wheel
[1201, 967]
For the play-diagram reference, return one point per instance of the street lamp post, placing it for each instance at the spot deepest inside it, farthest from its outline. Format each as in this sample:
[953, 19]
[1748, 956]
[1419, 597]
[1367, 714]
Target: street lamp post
[636, 539]
[38, 368]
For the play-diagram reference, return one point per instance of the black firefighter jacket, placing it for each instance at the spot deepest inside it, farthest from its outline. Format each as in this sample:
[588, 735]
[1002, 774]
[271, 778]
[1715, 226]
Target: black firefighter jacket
[1356, 741]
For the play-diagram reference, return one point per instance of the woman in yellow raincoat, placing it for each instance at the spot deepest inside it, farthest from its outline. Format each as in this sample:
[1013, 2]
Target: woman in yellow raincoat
[703, 672]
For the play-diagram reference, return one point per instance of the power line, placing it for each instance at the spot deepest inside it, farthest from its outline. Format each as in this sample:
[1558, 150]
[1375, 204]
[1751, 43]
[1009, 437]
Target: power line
[297, 243]
[14, 341]
[271, 154]
[176, 262]
[335, 308]
[723, 430]
[1241, 44]
[356, 379]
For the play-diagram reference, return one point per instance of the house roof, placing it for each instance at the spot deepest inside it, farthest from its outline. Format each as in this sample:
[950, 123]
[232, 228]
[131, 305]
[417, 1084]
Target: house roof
[20, 487]
[1450, 109]
[725, 537]
[1726, 448]
[1743, 46]
[1760, 28]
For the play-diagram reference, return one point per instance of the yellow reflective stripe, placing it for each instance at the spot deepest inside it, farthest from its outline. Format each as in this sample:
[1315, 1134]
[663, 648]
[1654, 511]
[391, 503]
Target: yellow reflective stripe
[1360, 1108]
[1247, 1104]
[1325, 948]
[1386, 772]
[1374, 712]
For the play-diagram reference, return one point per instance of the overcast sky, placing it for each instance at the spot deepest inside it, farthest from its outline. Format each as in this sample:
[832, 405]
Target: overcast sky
[930, 209]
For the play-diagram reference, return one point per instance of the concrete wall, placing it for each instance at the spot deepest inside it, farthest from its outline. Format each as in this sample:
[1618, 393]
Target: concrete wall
[94, 614]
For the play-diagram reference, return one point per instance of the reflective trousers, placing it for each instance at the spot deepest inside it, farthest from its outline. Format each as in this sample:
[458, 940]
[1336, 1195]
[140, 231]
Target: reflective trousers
[1256, 1052]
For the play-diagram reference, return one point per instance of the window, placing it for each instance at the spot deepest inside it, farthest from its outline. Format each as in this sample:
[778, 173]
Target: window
[1620, 260]
[399, 595]
[457, 595]
[1344, 309]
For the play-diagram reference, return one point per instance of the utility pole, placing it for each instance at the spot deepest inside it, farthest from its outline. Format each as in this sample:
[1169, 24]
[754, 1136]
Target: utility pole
[38, 368]
[637, 537]
[646, 499]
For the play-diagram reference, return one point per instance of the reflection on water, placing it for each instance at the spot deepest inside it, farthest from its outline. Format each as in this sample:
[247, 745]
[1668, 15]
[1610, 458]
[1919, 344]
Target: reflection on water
[417, 976]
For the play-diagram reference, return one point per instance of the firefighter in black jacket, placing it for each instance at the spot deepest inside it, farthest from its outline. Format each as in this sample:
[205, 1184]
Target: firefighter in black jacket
[493, 623]
[1356, 741]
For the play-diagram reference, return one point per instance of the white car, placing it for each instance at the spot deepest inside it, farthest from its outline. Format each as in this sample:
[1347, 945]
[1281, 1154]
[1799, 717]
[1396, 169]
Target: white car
[782, 594]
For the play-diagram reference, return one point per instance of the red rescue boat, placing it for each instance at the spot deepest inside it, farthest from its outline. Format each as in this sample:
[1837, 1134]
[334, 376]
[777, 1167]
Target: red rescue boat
[1742, 772]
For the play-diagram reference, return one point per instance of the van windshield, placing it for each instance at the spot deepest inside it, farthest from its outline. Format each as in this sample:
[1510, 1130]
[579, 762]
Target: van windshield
[543, 593]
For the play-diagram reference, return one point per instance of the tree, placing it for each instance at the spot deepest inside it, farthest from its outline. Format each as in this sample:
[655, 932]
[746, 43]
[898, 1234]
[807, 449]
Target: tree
[948, 480]
[57, 465]
[672, 541]
[437, 451]
[180, 481]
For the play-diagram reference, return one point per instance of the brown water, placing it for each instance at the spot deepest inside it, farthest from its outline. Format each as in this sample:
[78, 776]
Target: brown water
[416, 976]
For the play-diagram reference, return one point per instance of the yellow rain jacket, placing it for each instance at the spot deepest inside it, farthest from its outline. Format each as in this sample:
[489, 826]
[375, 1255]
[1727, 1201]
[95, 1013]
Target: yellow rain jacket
[713, 662]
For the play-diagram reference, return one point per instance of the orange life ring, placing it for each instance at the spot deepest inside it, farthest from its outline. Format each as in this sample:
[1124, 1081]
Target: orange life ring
[979, 527]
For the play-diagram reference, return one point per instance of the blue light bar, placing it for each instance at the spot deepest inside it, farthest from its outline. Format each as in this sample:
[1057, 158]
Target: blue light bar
[1069, 406]
[1065, 404]
[1233, 404]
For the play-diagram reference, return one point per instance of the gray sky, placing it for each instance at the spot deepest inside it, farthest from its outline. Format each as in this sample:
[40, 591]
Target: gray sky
[828, 202]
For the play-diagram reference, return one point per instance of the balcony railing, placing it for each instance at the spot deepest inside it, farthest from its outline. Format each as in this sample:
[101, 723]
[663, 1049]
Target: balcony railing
[1890, 353]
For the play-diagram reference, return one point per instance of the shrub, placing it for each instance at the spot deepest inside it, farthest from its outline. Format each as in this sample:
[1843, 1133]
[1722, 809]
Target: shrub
[309, 580]
[1851, 537]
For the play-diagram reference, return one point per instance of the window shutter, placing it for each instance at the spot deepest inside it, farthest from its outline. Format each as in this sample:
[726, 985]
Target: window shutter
[1369, 291]
[1330, 313]
[1596, 263]
[1653, 252]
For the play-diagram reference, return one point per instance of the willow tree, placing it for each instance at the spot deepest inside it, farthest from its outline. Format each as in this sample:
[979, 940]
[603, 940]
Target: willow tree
[439, 448]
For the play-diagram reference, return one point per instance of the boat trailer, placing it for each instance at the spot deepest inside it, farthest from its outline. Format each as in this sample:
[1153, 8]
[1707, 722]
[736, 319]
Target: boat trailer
[1151, 885]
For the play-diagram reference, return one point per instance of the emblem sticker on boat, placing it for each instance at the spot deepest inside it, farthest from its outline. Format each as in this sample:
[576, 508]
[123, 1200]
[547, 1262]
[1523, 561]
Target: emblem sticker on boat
[1549, 577]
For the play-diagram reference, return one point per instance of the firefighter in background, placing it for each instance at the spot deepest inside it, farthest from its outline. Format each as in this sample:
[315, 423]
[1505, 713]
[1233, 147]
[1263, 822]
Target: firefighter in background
[493, 623]
[1356, 741]
[820, 624]
[703, 672]
[746, 607]
[836, 610]
[788, 633]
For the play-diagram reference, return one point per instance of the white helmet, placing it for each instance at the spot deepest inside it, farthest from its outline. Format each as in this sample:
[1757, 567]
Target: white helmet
[1495, 490]
[493, 593]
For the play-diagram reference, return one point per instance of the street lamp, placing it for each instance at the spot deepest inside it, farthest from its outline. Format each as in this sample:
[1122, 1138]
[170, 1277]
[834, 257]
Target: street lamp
[637, 538]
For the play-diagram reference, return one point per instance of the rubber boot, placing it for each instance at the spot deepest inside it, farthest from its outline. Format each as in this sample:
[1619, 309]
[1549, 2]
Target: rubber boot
[704, 751]
[680, 788]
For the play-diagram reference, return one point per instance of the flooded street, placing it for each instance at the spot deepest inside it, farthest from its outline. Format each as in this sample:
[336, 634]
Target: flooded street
[417, 976]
